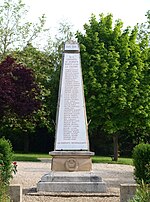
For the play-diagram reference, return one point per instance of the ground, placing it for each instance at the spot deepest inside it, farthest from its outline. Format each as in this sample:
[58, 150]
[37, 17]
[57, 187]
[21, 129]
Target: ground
[29, 173]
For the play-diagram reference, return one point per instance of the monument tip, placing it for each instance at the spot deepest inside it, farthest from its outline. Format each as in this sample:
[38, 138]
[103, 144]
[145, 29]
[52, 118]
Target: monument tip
[71, 45]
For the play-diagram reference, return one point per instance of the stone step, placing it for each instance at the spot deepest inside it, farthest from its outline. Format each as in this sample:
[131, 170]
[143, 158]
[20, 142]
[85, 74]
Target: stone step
[71, 177]
[84, 187]
[81, 182]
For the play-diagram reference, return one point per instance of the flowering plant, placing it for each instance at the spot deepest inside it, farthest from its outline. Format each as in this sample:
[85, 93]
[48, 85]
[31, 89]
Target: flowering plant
[14, 167]
[4, 174]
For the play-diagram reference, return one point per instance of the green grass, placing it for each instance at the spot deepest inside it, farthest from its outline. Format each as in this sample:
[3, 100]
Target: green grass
[95, 159]
[103, 159]
[29, 157]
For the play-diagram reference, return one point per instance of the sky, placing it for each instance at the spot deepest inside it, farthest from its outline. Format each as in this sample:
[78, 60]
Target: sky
[78, 12]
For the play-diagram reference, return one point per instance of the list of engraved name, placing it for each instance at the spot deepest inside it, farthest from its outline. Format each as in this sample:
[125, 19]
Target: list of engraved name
[71, 98]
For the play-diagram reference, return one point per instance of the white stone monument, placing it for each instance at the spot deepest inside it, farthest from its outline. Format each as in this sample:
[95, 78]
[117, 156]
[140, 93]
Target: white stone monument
[71, 130]
[71, 167]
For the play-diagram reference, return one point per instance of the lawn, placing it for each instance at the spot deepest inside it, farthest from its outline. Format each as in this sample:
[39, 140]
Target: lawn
[29, 157]
[104, 159]
[95, 159]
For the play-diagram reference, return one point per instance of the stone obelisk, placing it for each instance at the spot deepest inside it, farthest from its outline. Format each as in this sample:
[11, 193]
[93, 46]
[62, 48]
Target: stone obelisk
[71, 130]
[71, 142]
[71, 167]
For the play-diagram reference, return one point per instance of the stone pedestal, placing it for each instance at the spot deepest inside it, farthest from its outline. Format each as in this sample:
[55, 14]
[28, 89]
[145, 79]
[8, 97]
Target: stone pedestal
[71, 171]
[71, 161]
[79, 182]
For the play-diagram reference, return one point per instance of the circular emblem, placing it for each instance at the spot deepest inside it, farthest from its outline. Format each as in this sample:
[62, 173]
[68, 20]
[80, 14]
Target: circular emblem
[71, 164]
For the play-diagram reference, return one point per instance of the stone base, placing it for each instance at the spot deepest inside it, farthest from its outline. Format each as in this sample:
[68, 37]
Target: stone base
[79, 182]
[71, 160]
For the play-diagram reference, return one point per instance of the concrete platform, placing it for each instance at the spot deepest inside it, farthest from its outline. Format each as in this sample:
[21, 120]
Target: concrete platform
[87, 182]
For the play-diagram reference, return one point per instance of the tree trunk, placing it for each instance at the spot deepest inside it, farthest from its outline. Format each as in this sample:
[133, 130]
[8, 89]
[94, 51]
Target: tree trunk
[115, 141]
[26, 143]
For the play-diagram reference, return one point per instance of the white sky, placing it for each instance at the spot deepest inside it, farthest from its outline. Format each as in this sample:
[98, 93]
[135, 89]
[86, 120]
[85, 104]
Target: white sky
[78, 12]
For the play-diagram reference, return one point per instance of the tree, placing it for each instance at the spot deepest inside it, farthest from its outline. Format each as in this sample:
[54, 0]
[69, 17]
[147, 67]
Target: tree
[18, 89]
[19, 98]
[113, 72]
[41, 63]
[15, 31]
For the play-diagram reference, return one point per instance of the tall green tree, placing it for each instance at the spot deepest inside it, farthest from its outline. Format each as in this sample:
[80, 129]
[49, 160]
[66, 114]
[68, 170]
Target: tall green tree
[113, 72]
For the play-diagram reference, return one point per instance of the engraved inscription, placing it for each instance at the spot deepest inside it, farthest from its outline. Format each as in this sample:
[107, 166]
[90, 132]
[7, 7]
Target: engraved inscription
[71, 98]
[71, 46]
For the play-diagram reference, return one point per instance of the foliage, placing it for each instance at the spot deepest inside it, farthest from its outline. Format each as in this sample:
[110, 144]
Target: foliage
[19, 97]
[112, 70]
[15, 31]
[3, 192]
[141, 161]
[116, 81]
[6, 168]
[142, 194]
[6, 157]
[41, 64]
[18, 89]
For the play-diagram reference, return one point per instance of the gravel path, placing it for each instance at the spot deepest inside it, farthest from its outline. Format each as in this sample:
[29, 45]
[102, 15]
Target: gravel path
[29, 173]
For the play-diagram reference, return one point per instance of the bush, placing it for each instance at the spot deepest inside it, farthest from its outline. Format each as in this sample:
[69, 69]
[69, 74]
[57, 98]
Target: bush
[3, 192]
[6, 157]
[141, 161]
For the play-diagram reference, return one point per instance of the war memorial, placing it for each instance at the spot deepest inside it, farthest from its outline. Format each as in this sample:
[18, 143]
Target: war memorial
[71, 166]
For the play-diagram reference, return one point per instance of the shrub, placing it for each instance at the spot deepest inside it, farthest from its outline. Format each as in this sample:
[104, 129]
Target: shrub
[6, 157]
[3, 191]
[141, 161]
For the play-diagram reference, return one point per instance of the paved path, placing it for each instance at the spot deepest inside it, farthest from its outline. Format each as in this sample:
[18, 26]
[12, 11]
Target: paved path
[29, 173]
